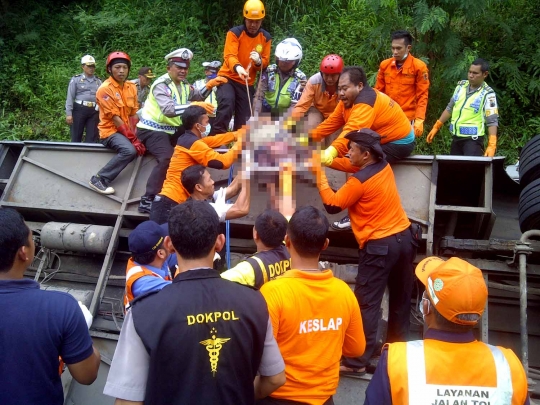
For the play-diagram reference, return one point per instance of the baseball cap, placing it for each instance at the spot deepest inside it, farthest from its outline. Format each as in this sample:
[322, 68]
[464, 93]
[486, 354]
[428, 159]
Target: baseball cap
[454, 287]
[146, 237]
[368, 139]
[147, 72]
[88, 60]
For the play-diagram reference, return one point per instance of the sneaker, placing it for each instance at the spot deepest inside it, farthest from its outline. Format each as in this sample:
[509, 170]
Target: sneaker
[344, 224]
[146, 204]
[98, 184]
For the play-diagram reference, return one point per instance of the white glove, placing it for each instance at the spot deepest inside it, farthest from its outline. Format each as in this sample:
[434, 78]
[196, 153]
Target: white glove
[242, 72]
[87, 315]
[255, 57]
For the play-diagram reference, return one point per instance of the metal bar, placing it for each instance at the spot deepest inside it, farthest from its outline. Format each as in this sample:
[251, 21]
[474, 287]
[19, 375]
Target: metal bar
[109, 256]
[513, 288]
[488, 186]
[45, 253]
[431, 213]
[484, 324]
[457, 208]
[133, 200]
[87, 210]
[523, 312]
[80, 183]
[103, 335]
[14, 174]
[418, 220]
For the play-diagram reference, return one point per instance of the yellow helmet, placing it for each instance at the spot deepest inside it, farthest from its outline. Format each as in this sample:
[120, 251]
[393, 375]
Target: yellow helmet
[254, 10]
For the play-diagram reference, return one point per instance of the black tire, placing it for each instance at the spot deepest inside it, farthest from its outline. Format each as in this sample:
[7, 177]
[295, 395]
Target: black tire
[529, 207]
[529, 162]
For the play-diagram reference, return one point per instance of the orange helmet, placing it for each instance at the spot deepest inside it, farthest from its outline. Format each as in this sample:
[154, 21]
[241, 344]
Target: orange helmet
[254, 10]
[331, 64]
[124, 58]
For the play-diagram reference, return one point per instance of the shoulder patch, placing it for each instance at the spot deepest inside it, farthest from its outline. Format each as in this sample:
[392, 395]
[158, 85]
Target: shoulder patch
[237, 30]
[167, 81]
[462, 82]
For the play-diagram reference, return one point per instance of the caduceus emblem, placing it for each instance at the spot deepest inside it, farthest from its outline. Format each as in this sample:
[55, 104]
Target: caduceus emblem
[213, 346]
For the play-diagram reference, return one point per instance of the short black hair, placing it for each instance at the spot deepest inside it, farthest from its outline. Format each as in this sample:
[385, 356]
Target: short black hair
[308, 229]
[402, 34]
[271, 226]
[193, 228]
[356, 74]
[484, 65]
[192, 115]
[147, 257]
[191, 176]
[13, 235]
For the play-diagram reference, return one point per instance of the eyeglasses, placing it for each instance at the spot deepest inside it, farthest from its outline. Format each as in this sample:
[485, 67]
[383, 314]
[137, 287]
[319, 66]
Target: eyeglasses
[420, 304]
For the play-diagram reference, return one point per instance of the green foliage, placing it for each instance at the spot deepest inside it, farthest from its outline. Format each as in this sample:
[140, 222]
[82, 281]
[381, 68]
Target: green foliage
[41, 44]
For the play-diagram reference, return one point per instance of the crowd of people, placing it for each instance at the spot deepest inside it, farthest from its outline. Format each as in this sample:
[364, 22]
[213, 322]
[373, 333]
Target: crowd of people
[276, 328]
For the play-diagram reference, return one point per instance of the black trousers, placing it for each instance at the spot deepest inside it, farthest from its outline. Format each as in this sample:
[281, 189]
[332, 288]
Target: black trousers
[161, 208]
[382, 262]
[232, 100]
[275, 401]
[158, 144]
[84, 117]
[395, 152]
[467, 146]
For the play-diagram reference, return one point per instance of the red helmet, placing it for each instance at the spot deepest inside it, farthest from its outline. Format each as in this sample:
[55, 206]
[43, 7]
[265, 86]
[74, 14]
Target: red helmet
[331, 64]
[118, 55]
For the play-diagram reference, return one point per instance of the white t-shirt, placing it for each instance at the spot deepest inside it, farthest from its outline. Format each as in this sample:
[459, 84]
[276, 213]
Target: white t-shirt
[220, 204]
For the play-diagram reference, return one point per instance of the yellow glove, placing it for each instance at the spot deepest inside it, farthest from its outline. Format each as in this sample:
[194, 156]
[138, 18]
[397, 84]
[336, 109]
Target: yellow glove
[492, 146]
[438, 125]
[328, 155]
[418, 127]
[217, 81]
[207, 106]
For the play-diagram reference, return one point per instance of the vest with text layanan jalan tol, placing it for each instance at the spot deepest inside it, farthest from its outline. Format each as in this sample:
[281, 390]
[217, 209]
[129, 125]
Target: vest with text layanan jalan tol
[152, 117]
[205, 337]
[433, 372]
[468, 113]
[133, 273]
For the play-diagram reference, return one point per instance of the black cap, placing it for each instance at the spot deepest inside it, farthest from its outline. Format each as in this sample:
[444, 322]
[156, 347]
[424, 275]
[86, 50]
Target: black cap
[368, 139]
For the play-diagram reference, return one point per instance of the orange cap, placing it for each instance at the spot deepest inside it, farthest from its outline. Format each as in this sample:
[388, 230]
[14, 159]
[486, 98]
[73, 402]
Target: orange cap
[454, 287]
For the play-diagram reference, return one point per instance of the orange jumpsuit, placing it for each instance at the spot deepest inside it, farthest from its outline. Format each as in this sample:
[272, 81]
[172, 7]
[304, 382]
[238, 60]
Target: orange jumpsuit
[408, 86]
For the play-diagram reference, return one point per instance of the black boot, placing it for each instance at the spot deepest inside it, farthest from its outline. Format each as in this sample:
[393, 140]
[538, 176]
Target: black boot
[146, 204]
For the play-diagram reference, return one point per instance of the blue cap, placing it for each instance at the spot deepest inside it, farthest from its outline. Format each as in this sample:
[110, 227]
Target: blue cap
[147, 237]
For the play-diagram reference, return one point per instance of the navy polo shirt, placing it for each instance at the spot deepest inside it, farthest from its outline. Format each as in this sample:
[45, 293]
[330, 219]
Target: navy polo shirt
[35, 328]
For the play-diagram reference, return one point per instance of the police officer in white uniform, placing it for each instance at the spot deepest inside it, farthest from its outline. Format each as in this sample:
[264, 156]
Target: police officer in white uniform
[81, 107]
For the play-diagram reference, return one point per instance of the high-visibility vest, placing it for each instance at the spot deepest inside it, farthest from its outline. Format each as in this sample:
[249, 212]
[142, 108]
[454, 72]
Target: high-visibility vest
[433, 372]
[280, 96]
[468, 113]
[152, 117]
[212, 98]
[133, 273]
[269, 264]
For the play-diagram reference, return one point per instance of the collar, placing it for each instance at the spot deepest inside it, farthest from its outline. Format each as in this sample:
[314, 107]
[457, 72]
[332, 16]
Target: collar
[17, 285]
[200, 273]
[450, 337]
[115, 83]
[309, 275]
[247, 32]
[477, 89]
[406, 63]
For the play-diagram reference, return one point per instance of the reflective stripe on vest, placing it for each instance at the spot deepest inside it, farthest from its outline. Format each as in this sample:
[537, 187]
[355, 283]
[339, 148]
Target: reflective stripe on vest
[280, 96]
[133, 273]
[468, 112]
[152, 117]
[269, 264]
[422, 393]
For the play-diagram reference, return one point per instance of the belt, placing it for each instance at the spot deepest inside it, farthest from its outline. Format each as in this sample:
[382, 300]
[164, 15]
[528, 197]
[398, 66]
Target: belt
[86, 103]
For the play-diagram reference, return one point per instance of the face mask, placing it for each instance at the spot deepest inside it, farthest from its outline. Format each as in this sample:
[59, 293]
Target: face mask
[206, 130]
[211, 76]
[405, 56]
[421, 306]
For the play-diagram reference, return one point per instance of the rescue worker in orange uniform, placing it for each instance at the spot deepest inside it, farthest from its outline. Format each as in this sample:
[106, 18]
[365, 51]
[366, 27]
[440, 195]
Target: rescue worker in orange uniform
[361, 106]
[117, 100]
[193, 147]
[383, 232]
[147, 269]
[247, 51]
[315, 316]
[449, 366]
[319, 98]
[405, 79]
[272, 258]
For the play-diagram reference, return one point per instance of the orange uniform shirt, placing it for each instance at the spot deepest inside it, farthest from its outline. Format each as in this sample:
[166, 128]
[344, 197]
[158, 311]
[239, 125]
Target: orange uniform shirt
[114, 99]
[316, 319]
[192, 150]
[373, 201]
[408, 86]
[238, 46]
[371, 109]
[315, 94]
